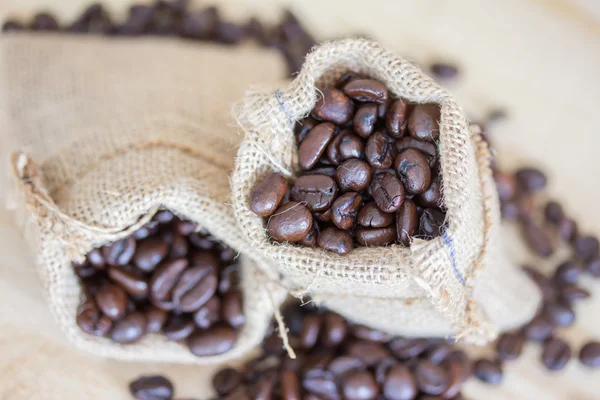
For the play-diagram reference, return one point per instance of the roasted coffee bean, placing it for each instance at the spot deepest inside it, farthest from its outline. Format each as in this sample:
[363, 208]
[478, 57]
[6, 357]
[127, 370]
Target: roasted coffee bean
[537, 239]
[201, 25]
[353, 175]
[488, 371]
[154, 387]
[423, 122]
[431, 378]
[396, 118]
[310, 240]
[321, 384]
[208, 315]
[150, 229]
[233, 312]
[314, 145]
[371, 353]
[336, 240]
[112, 301]
[406, 222]
[226, 381]
[84, 270]
[324, 216]
[589, 355]
[371, 216]
[44, 22]
[567, 229]
[569, 294]
[138, 21]
[202, 241]
[205, 259]
[538, 329]
[185, 227]
[230, 33]
[531, 179]
[229, 278]
[365, 119]
[334, 330]
[568, 272]
[586, 247]
[194, 288]
[341, 365]
[424, 147]
[90, 319]
[372, 335]
[130, 329]
[266, 197]
[431, 223]
[156, 319]
[443, 70]
[456, 374]
[262, 388]
[559, 313]
[387, 191]
[163, 217]
[413, 169]
[360, 385]
[211, 342]
[438, 353]
[399, 383]
[375, 236]
[289, 385]
[317, 192]
[506, 184]
[316, 362]
[311, 329]
[334, 156]
[163, 281]
[344, 211]
[334, 106]
[96, 258]
[129, 280]
[350, 146]
[179, 327]
[554, 212]
[178, 247]
[404, 348]
[556, 353]
[509, 346]
[432, 197]
[120, 252]
[379, 151]
[12, 26]
[290, 223]
[593, 267]
[544, 284]
[366, 90]
[303, 127]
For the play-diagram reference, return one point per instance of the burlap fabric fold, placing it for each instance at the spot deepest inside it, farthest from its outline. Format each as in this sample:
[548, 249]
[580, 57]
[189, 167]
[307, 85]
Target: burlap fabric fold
[105, 132]
[424, 289]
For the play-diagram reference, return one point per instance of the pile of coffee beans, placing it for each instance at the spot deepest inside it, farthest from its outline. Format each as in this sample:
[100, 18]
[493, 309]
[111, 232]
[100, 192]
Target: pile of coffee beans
[165, 278]
[370, 173]
[175, 18]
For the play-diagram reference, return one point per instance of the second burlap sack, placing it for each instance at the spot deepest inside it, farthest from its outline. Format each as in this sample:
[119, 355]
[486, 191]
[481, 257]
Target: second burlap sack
[458, 284]
[100, 134]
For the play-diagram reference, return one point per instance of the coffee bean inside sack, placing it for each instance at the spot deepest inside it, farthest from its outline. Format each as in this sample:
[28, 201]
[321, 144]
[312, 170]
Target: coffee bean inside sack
[166, 278]
[370, 173]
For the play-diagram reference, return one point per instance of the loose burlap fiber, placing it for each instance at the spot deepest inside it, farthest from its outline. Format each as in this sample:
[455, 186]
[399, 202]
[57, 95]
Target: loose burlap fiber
[105, 132]
[424, 289]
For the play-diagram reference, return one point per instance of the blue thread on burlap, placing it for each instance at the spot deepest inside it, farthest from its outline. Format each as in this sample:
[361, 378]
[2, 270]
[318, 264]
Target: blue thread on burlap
[283, 107]
[450, 246]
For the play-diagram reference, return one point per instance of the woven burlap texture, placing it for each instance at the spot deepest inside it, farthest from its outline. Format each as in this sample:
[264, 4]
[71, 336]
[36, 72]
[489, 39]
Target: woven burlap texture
[105, 132]
[434, 278]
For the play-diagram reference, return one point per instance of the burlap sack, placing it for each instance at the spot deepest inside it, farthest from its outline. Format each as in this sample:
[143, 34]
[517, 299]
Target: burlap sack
[425, 289]
[104, 133]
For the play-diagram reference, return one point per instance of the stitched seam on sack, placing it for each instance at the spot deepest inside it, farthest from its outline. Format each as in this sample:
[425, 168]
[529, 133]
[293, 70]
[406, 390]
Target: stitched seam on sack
[283, 107]
[135, 147]
[449, 243]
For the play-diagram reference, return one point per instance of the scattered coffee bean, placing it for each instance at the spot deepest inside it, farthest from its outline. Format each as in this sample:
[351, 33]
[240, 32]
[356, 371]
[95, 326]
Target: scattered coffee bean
[589, 355]
[226, 381]
[152, 388]
[537, 239]
[538, 329]
[360, 385]
[509, 346]
[531, 179]
[431, 378]
[559, 314]
[586, 247]
[556, 353]
[488, 371]
[399, 384]
[444, 70]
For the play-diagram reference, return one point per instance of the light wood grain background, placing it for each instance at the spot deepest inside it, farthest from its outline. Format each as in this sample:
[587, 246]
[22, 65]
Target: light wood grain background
[539, 59]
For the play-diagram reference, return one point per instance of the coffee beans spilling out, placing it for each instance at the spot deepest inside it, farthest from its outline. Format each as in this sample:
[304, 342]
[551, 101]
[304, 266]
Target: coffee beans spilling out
[175, 18]
[370, 173]
[165, 278]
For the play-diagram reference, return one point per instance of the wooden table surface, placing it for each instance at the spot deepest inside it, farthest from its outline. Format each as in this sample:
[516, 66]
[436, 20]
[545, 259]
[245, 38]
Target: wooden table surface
[538, 59]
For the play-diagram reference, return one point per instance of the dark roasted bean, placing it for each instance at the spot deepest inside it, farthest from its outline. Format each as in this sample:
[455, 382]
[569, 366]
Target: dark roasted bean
[229, 278]
[568, 272]
[554, 212]
[396, 118]
[341, 365]
[556, 353]
[310, 240]
[202, 25]
[178, 327]
[211, 342]
[289, 385]
[567, 229]
[290, 223]
[423, 122]
[163, 280]
[572, 293]
[353, 175]
[444, 70]
[586, 247]
[413, 169]
[178, 247]
[372, 335]
[379, 151]
[375, 236]
[531, 179]
[350, 146]
[589, 355]
[311, 328]
[424, 147]
[12, 26]
[509, 346]
[334, 106]
[44, 22]
[336, 240]
[432, 197]
[185, 227]
[537, 239]
[129, 329]
[334, 330]
[538, 329]
[233, 312]
[196, 285]
[544, 284]
[456, 375]
[559, 313]
[348, 77]
[387, 191]
[151, 388]
[360, 385]
[112, 301]
[506, 184]
[399, 383]
[120, 252]
[431, 223]
[226, 381]
[321, 384]
[367, 90]
[90, 319]
[156, 319]
[488, 371]
[365, 119]
[371, 216]
[345, 210]
[207, 315]
[303, 127]
[371, 353]
[408, 348]
[593, 267]
[431, 378]
[314, 144]
[130, 280]
[407, 222]
[317, 192]
[266, 197]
